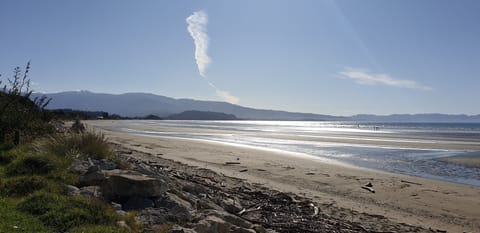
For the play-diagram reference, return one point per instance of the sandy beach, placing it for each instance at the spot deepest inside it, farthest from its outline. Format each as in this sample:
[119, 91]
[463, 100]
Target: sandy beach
[400, 198]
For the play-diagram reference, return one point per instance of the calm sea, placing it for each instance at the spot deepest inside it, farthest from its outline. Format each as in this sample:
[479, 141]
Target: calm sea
[384, 146]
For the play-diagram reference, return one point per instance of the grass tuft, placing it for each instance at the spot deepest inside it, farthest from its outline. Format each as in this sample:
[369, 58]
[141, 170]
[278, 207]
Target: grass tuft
[83, 145]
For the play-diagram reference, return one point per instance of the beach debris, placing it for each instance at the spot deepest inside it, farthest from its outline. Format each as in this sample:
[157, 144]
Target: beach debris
[309, 173]
[288, 167]
[232, 163]
[369, 184]
[369, 189]
[410, 182]
[315, 209]
[199, 198]
[242, 211]
[243, 170]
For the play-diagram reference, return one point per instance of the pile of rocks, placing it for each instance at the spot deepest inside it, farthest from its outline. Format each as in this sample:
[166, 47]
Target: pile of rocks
[159, 199]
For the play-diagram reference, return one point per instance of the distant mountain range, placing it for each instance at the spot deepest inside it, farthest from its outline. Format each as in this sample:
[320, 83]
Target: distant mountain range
[143, 104]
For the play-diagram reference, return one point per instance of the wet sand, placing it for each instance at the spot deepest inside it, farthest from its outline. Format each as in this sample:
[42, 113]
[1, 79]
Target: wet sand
[470, 160]
[407, 199]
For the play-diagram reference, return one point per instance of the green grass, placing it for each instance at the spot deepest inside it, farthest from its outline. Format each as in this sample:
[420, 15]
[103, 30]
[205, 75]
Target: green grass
[12, 220]
[32, 188]
[62, 213]
[7, 153]
[31, 165]
[21, 186]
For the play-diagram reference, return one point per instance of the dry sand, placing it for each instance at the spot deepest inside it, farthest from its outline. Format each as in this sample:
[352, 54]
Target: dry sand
[412, 200]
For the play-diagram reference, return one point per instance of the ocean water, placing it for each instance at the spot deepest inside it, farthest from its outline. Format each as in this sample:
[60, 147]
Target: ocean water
[374, 145]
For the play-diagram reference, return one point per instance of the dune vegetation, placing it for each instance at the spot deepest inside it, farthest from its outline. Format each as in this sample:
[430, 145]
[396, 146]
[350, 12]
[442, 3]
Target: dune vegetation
[35, 154]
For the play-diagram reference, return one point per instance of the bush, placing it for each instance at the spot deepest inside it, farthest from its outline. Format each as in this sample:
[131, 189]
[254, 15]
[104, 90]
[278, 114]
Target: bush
[98, 229]
[6, 157]
[85, 145]
[21, 186]
[62, 212]
[31, 165]
[6, 146]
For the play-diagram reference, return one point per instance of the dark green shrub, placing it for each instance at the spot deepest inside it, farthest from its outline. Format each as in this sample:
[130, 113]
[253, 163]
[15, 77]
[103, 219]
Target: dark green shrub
[31, 165]
[62, 212]
[22, 185]
[6, 157]
[9, 153]
[6, 146]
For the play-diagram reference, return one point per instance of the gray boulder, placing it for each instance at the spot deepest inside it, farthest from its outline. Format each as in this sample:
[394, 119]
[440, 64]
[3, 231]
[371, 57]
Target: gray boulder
[93, 176]
[105, 164]
[72, 190]
[138, 203]
[122, 186]
[212, 224]
[79, 166]
[179, 229]
[231, 205]
[177, 206]
[90, 191]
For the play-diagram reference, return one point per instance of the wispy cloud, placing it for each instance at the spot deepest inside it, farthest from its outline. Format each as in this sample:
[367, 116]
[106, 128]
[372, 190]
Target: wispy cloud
[367, 78]
[197, 27]
[225, 95]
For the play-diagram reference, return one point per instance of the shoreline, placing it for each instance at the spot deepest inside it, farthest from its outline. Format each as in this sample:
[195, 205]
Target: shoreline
[401, 198]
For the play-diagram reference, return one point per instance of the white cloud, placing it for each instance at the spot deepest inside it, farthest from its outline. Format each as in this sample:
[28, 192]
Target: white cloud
[367, 78]
[197, 27]
[225, 95]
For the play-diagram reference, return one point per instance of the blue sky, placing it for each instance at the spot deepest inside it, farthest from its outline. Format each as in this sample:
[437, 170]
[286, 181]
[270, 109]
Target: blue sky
[330, 57]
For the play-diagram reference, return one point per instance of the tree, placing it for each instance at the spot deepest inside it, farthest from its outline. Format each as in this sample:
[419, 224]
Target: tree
[19, 115]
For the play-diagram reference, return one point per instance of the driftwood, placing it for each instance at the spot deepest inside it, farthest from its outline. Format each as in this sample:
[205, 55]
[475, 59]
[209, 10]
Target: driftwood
[410, 182]
[243, 170]
[232, 163]
[369, 189]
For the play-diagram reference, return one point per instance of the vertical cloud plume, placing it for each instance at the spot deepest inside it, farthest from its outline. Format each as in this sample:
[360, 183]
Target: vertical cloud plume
[197, 27]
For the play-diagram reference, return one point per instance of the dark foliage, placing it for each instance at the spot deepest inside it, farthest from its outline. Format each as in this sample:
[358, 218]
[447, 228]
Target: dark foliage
[21, 117]
[202, 115]
[22, 185]
[31, 165]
